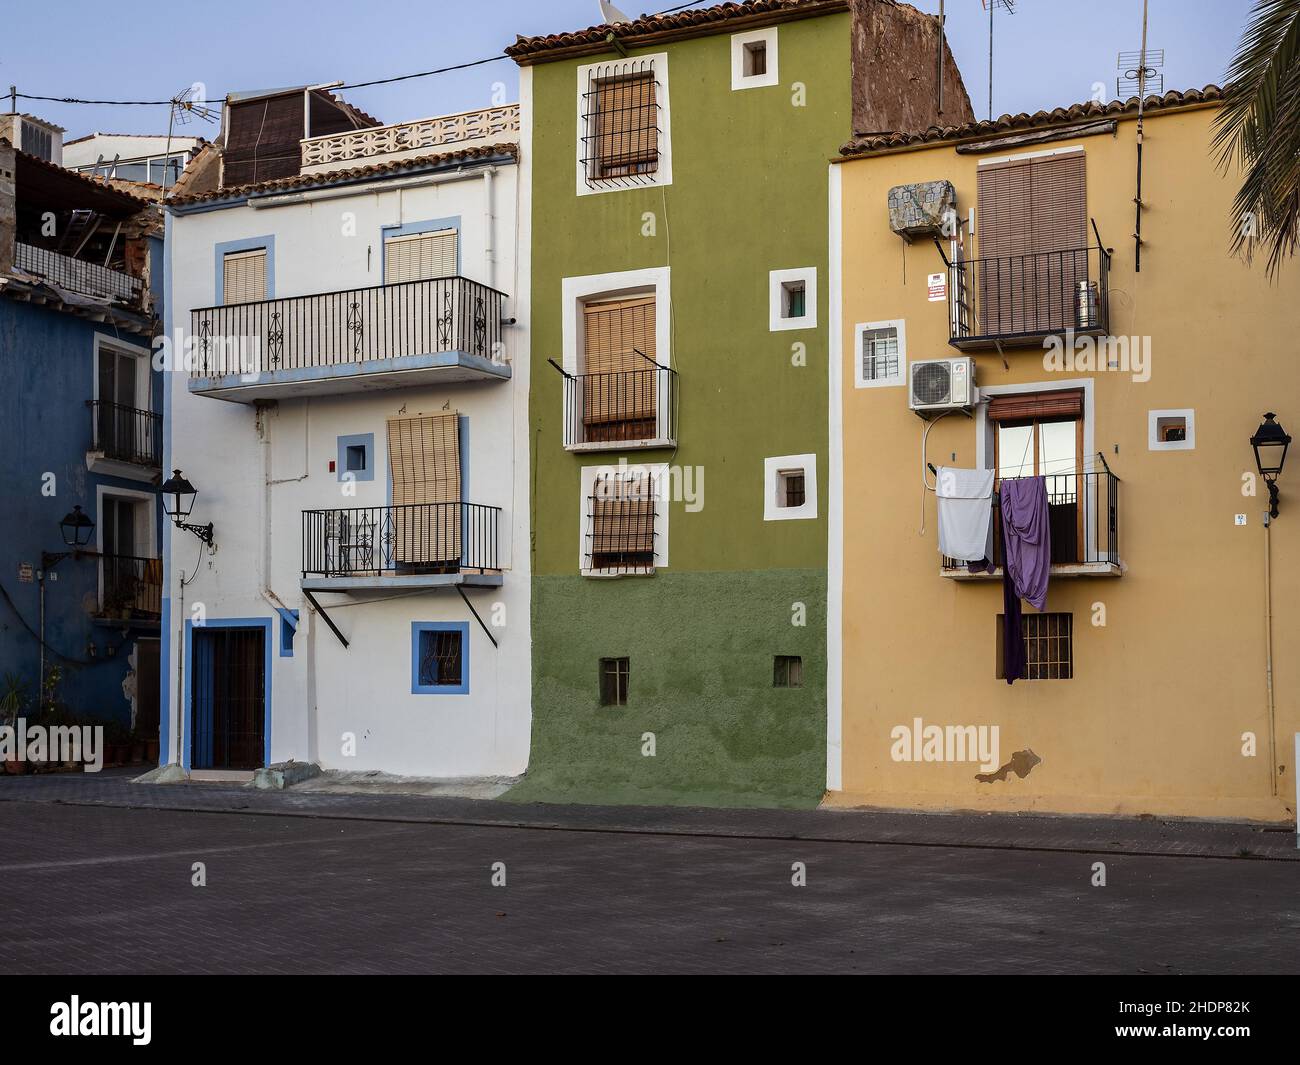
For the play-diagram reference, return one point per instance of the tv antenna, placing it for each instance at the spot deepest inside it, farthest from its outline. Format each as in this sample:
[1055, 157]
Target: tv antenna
[1140, 72]
[991, 6]
[186, 105]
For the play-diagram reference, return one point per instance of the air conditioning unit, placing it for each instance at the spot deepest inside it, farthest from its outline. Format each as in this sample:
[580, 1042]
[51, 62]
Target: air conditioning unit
[938, 385]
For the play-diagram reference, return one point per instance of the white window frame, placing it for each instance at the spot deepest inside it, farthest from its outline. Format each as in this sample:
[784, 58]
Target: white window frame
[772, 470]
[148, 524]
[663, 174]
[143, 374]
[1154, 443]
[739, 80]
[777, 280]
[663, 492]
[859, 334]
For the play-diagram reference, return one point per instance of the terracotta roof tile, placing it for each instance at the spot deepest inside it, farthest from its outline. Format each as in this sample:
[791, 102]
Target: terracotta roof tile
[1008, 124]
[334, 177]
[527, 49]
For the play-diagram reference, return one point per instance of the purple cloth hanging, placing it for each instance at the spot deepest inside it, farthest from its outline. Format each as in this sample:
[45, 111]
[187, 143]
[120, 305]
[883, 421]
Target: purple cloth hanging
[1027, 537]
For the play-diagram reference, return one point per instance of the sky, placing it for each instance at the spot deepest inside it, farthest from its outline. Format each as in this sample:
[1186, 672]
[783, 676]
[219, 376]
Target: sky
[1047, 53]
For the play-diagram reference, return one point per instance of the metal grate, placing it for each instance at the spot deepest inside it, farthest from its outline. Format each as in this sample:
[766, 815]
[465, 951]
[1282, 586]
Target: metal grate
[880, 354]
[620, 123]
[1049, 646]
[621, 534]
[615, 674]
[126, 434]
[440, 658]
[787, 671]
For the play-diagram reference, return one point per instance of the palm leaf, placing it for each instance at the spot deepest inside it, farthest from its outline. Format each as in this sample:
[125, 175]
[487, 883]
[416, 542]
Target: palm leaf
[1258, 132]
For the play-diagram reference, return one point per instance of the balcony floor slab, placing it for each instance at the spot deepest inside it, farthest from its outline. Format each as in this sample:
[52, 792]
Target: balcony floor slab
[1069, 569]
[402, 582]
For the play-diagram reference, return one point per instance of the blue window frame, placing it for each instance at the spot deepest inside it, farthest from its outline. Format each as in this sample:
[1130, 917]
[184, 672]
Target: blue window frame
[356, 458]
[288, 629]
[440, 658]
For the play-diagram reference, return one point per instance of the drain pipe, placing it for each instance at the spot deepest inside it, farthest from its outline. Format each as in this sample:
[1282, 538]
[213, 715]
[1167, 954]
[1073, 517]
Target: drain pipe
[489, 225]
[1268, 652]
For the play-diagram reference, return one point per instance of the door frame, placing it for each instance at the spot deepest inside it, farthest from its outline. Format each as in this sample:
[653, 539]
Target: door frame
[187, 721]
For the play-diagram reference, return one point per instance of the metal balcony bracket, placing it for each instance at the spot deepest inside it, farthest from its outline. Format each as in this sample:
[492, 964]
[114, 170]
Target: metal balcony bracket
[563, 371]
[476, 616]
[325, 617]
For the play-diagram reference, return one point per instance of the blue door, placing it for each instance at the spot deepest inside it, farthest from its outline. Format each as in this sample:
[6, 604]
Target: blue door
[228, 698]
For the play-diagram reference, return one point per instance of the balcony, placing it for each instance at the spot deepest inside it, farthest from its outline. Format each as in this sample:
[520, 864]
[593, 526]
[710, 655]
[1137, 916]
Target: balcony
[446, 329]
[1021, 300]
[337, 151]
[621, 410]
[125, 441]
[79, 276]
[1083, 517]
[132, 588]
[418, 545]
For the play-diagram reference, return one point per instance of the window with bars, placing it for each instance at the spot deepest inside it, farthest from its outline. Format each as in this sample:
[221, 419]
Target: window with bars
[441, 653]
[620, 121]
[615, 674]
[1049, 646]
[787, 671]
[791, 488]
[621, 512]
[880, 354]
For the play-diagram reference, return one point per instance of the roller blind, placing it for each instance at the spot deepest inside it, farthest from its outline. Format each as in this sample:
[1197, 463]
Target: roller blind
[420, 256]
[424, 460]
[1058, 404]
[620, 385]
[627, 124]
[623, 521]
[244, 276]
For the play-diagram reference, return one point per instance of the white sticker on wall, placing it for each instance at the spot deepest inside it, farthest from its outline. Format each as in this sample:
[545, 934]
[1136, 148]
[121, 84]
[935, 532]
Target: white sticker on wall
[1240, 519]
[937, 284]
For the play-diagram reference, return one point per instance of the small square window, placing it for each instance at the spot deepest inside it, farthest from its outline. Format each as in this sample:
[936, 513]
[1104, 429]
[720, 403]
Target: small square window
[441, 658]
[755, 59]
[794, 300]
[1171, 430]
[356, 458]
[787, 671]
[614, 676]
[790, 488]
[1049, 646]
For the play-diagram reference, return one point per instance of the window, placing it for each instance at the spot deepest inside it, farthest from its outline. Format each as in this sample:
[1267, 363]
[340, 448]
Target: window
[122, 428]
[440, 658]
[288, 629]
[1171, 430]
[614, 676]
[356, 457]
[787, 671]
[622, 536]
[882, 354]
[793, 299]
[424, 464]
[790, 487]
[754, 59]
[623, 124]
[420, 256]
[1049, 646]
[1040, 434]
[244, 276]
[619, 382]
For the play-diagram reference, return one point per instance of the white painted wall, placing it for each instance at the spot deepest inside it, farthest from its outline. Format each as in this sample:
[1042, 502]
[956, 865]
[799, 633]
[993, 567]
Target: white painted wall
[324, 690]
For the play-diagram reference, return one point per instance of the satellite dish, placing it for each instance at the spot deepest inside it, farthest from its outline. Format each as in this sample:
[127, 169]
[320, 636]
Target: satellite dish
[610, 15]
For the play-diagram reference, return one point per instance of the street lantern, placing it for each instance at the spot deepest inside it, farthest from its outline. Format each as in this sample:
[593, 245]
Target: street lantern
[76, 528]
[178, 500]
[1270, 443]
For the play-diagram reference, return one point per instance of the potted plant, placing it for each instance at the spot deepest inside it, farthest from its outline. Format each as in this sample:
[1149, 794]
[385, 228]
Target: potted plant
[13, 698]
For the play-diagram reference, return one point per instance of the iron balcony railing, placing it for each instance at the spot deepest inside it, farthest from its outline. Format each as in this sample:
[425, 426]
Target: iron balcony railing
[1082, 516]
[132, 587]
[126, 433]
[78, 275]
[626, 406]
[401, 540]
[1029, 297]
[445, 314]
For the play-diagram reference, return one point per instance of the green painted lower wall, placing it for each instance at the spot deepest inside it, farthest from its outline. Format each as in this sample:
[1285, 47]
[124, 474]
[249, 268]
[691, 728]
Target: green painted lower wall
[701, 648]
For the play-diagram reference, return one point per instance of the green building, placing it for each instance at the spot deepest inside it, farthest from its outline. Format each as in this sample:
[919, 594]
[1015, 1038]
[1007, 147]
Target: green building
[680, 240]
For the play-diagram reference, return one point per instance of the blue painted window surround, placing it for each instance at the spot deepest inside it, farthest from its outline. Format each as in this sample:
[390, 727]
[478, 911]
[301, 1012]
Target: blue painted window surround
[288, 629]
[222, 249]
[356, 458]
[440, 658]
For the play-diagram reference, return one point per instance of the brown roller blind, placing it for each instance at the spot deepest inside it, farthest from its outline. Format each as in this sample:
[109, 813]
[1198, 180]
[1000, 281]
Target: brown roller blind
[620, 385]
[627, 125]
[244, 276]
[1060, 404]
[424, 460]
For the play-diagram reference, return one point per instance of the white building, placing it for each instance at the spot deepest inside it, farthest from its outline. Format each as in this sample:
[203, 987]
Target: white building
[154, 158]
[354, 419]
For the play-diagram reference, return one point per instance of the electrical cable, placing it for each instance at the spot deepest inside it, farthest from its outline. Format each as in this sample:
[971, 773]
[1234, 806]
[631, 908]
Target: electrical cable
[96, 661]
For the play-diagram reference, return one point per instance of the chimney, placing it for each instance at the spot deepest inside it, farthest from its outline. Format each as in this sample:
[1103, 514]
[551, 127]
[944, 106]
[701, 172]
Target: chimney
[34, 136]
[8, 207]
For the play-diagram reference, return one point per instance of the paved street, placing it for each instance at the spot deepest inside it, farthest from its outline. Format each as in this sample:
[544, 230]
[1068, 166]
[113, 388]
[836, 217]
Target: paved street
[107, 889]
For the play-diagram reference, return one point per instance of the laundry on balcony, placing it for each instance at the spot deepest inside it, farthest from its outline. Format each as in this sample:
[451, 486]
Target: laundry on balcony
[965, 513]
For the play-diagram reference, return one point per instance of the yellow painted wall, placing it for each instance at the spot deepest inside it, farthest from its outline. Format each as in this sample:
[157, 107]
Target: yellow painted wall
[1153, 720]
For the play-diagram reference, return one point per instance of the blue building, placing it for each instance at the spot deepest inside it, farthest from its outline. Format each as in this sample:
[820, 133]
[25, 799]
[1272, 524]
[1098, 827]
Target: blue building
[80, 285]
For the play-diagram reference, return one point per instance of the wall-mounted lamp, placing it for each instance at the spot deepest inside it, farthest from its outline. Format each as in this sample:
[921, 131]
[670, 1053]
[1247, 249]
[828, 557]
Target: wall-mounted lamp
[77, 529]
[1270, 443]
[178, 500]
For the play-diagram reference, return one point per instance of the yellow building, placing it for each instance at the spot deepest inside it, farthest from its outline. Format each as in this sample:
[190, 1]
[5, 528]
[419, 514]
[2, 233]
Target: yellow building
[1134, 388]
